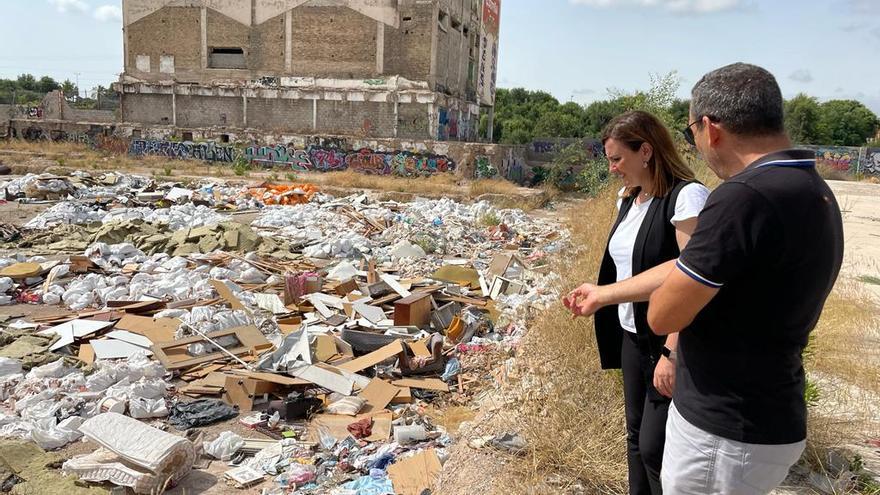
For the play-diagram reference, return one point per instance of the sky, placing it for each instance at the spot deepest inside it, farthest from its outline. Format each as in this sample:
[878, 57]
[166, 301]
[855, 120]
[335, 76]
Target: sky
[576, 50]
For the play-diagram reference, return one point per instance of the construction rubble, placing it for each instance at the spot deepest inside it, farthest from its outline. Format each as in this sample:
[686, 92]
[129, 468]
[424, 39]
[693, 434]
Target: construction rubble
[320, 330]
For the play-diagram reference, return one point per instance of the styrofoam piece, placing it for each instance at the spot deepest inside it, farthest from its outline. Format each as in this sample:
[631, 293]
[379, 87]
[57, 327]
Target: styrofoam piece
[117, 349]
[130, 337]
[73, 330]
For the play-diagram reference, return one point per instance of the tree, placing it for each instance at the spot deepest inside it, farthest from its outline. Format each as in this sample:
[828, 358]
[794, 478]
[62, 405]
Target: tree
[516, 131]
[680, 110]
[599, 113]
[47, 84]
[846, 123]
[802, 119]
[69, 89]
[28, 82]
[558, 124]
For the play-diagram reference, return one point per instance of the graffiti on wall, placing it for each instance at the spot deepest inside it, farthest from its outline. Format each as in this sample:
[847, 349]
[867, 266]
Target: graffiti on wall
[208, 151]
[448, 125]
[484, 168]
[514, 170]
[838, 158]
[871, 164]
[326, 159]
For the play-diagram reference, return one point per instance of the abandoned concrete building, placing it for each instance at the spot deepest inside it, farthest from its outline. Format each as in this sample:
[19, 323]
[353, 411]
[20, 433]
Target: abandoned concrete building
[409, 69]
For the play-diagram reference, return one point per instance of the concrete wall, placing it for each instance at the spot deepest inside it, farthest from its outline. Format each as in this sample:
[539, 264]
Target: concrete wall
[147, 109]
[408, 49]
[357, 118]
[204, 111]
[280, 115]
[174, 31]
[334, 42]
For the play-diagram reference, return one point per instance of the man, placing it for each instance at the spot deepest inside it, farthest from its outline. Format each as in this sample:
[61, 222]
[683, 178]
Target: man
[745, 293]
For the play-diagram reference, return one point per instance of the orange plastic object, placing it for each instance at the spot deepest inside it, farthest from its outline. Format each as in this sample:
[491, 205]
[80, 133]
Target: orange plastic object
[284, 194]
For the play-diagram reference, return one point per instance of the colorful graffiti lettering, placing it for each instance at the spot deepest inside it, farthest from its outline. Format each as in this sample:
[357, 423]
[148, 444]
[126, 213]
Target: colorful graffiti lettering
[183, 151]
[326, 159]
[844, 159]
[871, 164]
[280, 155]
[514, 170]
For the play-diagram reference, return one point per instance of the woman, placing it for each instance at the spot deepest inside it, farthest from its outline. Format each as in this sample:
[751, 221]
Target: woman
[658, 208]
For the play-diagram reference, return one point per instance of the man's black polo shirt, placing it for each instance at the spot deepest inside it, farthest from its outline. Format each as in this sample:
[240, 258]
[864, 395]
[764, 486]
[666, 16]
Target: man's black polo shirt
[771, 239]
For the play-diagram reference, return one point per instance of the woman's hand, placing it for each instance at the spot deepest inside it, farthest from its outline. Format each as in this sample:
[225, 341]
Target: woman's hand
[664, 376]
[584, 300]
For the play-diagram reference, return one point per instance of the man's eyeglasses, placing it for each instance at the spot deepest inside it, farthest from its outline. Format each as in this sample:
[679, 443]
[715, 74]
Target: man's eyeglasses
[689, 133]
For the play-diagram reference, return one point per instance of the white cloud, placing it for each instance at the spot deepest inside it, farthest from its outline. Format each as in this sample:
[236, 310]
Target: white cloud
[801, 75]
[65, 6]
[108, 13]
[684, 6]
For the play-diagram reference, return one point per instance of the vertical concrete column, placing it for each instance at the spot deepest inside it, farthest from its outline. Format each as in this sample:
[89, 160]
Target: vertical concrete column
[244, 120]
[204, 25]
[396, 115]
[173, 106]
[433, 122]
[490, 127]
[315, 113]
[288, 41]
[380, 47]
[432, 75]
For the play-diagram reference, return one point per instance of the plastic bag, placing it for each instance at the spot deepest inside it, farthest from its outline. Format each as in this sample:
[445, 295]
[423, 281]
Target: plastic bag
[224, 446]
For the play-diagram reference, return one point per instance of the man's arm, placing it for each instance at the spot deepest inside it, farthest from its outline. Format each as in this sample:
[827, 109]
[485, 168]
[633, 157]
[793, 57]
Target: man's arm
[676, 303]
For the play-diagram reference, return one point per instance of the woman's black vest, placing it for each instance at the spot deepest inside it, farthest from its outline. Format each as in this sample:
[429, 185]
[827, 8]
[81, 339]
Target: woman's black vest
[655, 244]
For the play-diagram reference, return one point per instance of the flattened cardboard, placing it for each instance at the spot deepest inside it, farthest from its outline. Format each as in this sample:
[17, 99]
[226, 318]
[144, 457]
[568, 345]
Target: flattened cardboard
[158, 330]
[373, 358]
[337, 425]
[272, 378]
[378, 394]
[403, 397]
[226, 293]
[419, 348]
[324, 348]
[86, 354]
[243, 392]
[414, 475]
[435, 384]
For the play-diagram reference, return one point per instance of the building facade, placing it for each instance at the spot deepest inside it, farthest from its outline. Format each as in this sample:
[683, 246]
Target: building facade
[407, 69]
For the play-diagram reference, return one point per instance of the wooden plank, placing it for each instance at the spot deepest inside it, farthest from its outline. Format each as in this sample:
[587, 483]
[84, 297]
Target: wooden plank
[373, 358]
[226, 293]
[416, 474]
[435, 384]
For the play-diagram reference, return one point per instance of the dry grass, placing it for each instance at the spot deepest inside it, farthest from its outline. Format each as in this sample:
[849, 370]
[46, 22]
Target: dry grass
[573, 415]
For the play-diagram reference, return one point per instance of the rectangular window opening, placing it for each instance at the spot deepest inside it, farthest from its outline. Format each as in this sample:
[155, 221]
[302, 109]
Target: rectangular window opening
[226, 58]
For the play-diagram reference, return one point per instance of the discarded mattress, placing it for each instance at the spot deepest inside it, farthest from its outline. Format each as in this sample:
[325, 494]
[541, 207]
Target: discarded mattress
[132, 454]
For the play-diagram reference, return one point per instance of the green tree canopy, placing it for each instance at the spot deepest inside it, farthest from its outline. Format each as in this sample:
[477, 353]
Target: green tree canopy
[802, 114]
[846, 123]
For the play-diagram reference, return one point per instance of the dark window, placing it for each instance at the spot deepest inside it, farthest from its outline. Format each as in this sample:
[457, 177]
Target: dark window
[224, 138]
[136, 134]
[187, 136]
[226, 58]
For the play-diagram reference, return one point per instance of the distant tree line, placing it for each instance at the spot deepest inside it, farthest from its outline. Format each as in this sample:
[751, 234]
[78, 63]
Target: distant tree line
[27, 90]
[522, 116]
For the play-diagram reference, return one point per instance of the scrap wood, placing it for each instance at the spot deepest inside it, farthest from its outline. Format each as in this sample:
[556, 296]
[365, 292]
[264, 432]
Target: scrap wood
[337, 425]
[435, 384]
[378, 394]
[226, 293]
[373, 358]
[251, 341]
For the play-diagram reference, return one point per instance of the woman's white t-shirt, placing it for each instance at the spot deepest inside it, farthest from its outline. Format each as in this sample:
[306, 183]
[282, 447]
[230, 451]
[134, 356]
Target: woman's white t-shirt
[690, 202]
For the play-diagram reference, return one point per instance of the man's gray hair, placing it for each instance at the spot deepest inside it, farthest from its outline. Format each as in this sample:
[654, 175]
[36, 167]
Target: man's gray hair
[744, 98]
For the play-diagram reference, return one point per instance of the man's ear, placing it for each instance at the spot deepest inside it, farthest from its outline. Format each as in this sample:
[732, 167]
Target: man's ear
[713, 130]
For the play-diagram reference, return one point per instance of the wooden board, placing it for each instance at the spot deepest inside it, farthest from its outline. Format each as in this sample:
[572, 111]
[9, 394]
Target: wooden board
[373, 358]
[435, 384]
[413, 475]
[378, 395]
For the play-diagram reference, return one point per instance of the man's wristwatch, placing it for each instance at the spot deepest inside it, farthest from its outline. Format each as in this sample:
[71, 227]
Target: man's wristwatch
[668, 353]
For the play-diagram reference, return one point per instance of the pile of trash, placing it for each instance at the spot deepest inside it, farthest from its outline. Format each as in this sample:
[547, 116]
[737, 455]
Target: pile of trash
[321, 334]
